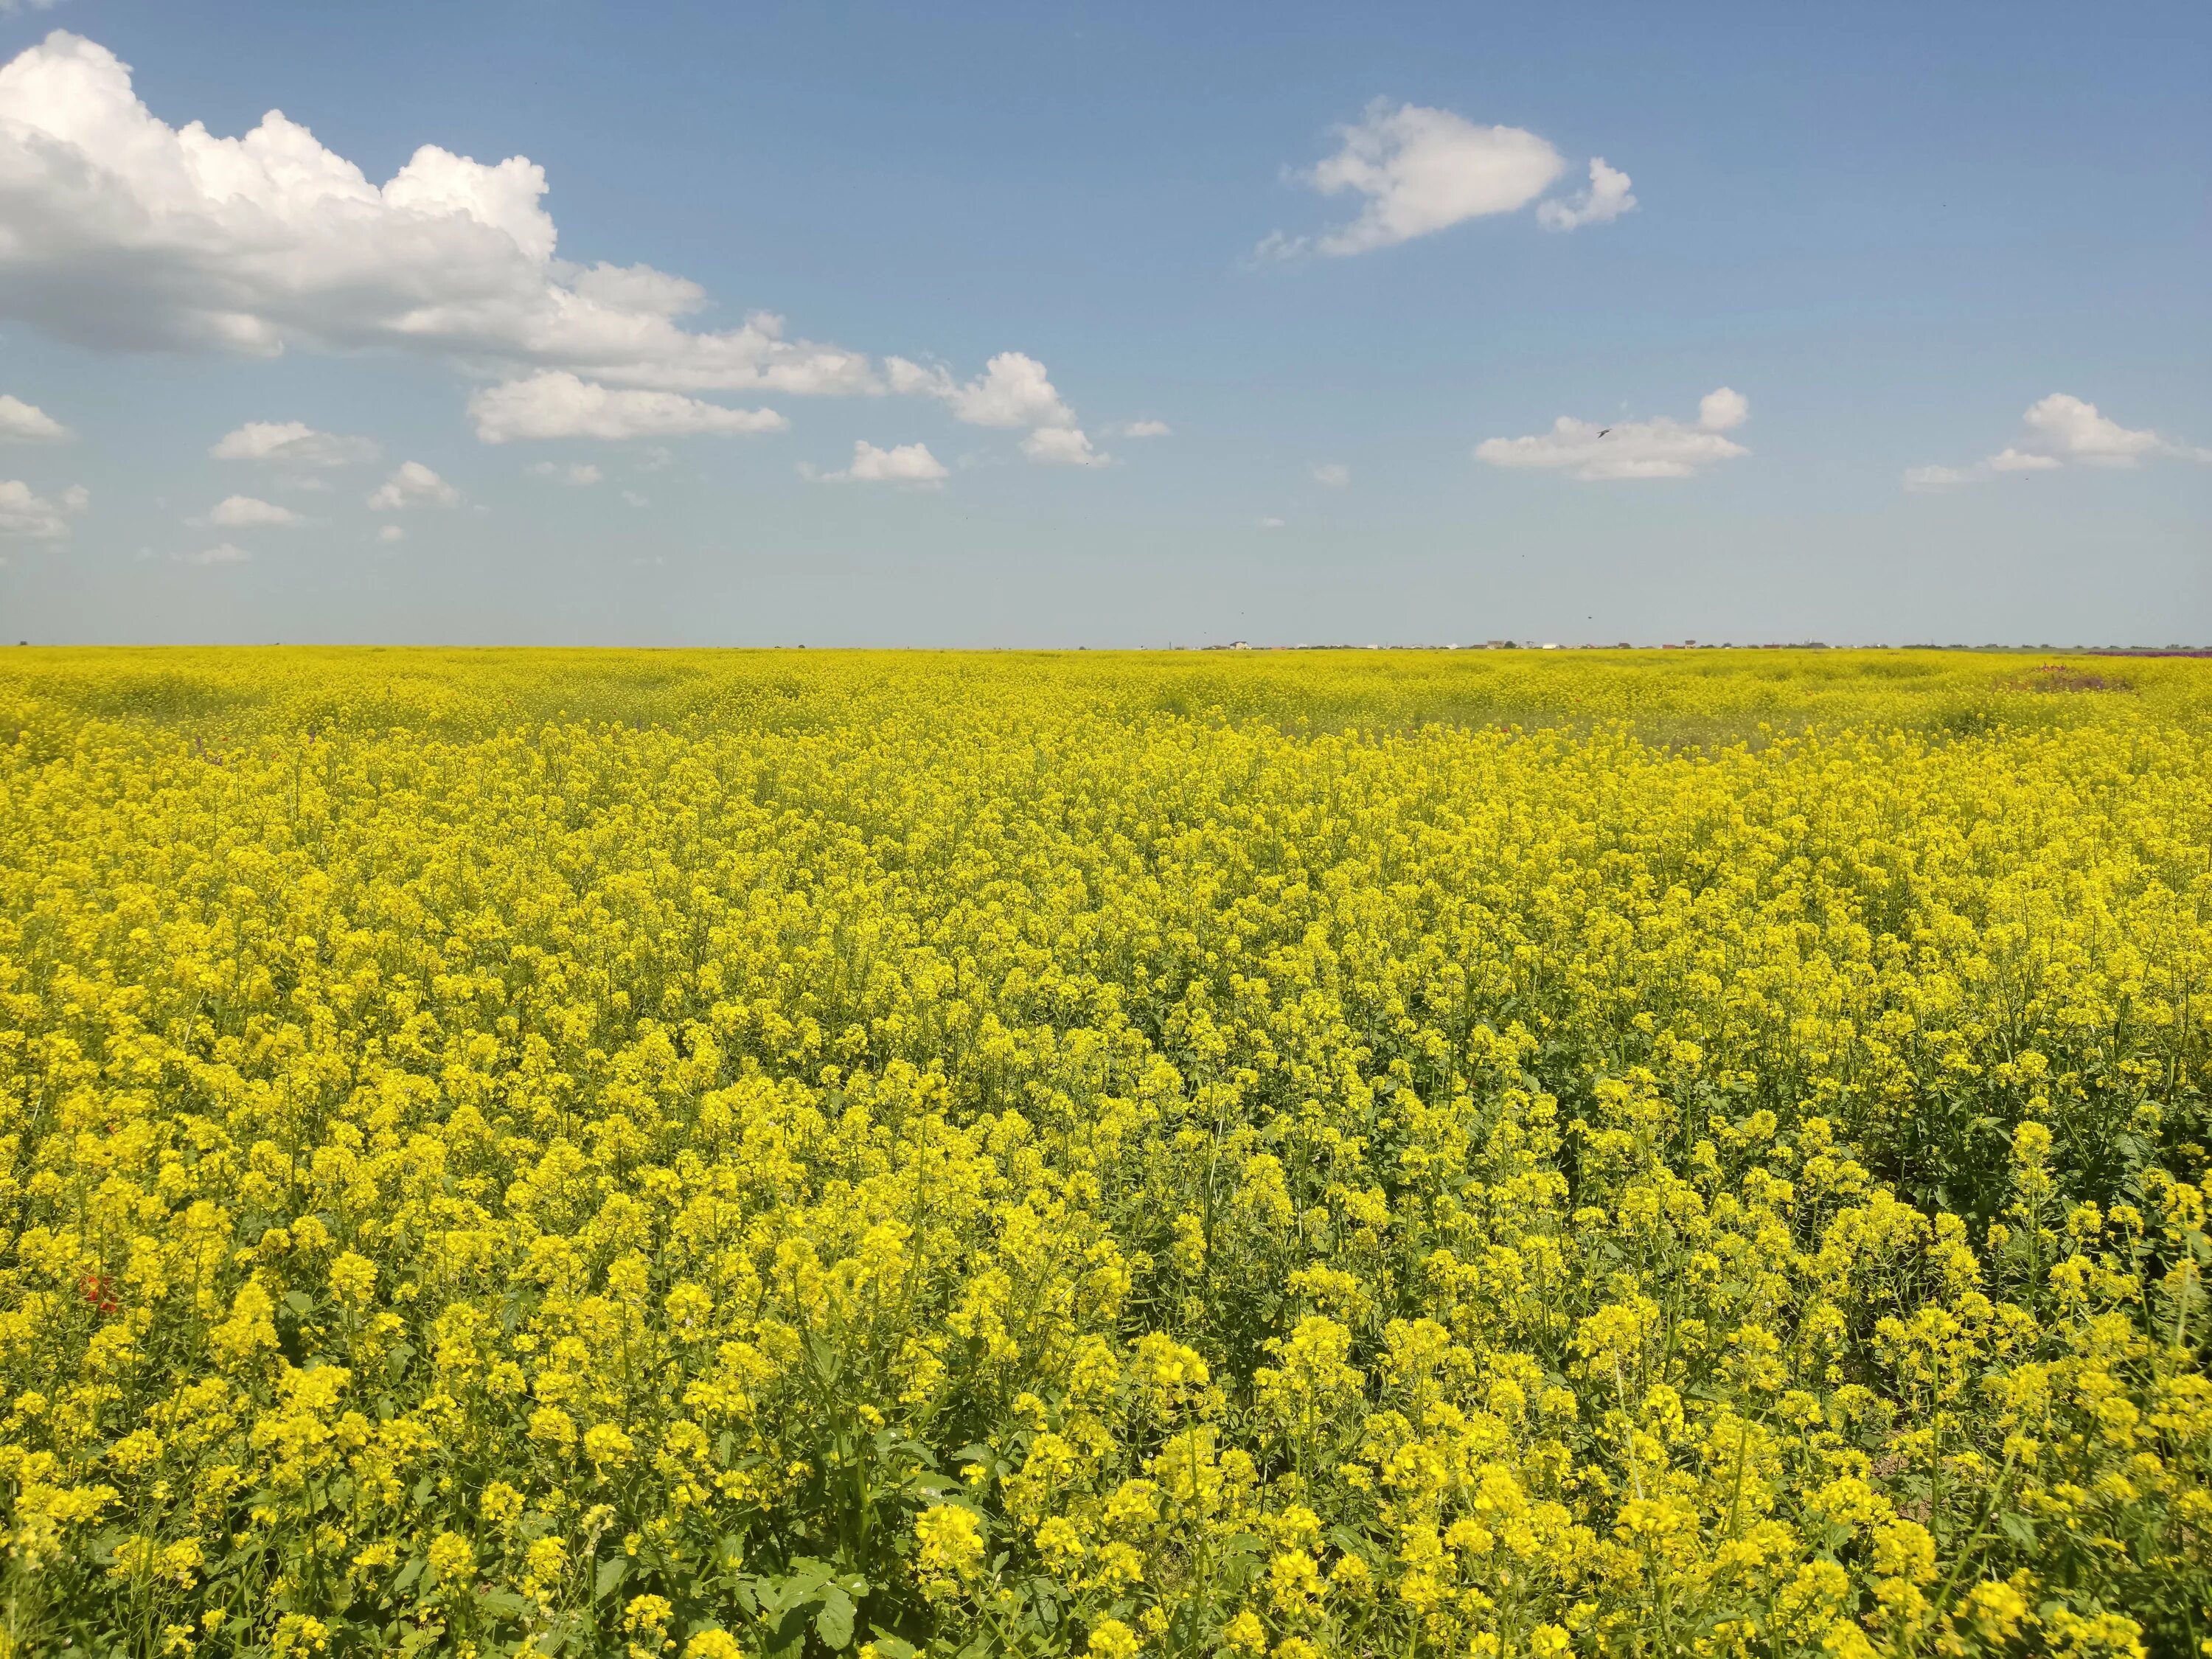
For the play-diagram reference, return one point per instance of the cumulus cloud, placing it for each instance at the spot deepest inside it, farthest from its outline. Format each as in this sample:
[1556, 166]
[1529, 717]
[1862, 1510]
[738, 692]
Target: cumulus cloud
[2061, 430]
[1013, 391]
[632, 498]
[250, 513]
[1722, 408]
[1146, 430]
[221, 553]
[559, 404]
[1332, 475]
[1271, 522]
[117, 229]
[413, 485]
[291, 444]
[1062, 445]
[1421, 170]
[391, 533]
[576, 473]
[24, 423]
[907, 464]
[25, 515]
[2069, 429]
[1608, 197]
[1662, 448]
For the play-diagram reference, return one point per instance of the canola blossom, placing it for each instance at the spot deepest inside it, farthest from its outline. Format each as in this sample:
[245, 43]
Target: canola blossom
[784, 1154]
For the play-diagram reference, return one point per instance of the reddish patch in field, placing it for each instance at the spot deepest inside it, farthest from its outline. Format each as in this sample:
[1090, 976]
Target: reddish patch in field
[2065, 677]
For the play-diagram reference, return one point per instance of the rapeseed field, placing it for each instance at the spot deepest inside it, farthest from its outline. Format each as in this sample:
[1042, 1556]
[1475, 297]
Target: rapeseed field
[782, 1154]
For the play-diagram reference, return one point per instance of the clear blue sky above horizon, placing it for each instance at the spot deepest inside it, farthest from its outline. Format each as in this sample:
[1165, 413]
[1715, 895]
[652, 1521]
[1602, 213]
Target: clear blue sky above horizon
[1920, 243]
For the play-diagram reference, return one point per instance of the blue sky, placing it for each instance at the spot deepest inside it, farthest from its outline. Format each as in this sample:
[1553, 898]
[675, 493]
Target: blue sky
[1951, 260]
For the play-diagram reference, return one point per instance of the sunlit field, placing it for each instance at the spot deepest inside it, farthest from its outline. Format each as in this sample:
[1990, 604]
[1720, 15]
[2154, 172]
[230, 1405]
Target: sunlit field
[1492, 1154]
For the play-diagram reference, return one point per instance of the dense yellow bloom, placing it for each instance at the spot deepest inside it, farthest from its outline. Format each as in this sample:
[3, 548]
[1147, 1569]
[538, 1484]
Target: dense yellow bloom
[950, 1549]
[1435, 1155]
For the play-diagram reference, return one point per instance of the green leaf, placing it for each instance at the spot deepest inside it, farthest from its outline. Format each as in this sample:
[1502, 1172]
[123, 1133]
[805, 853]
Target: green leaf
[503, 1604]
[300, 1302]
[787, 1638]
[612, 1573]
[806, 1576]
[833, 1624]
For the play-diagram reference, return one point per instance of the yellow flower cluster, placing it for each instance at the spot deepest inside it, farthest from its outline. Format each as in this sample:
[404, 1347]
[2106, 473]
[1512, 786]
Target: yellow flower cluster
[727, 1155]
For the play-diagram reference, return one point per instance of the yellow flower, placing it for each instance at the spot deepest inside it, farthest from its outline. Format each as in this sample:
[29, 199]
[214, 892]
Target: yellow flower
[949, 1552]
[501, 1504]
[353, 1281]
[607, 1446]
[1461, 1132]
[451, 1559]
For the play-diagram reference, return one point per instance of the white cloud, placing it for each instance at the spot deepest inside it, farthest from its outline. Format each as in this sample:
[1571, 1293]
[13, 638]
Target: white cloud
[221, 553]
[250, 513]
[1333, 475]
[1935, 477]
[1606, 200]
[1013, 390]
[413, 485]
[1660, 448]
[576, 473]
[633, 498]
[291, 444]
[1722, 408]
[907, 464]
[391, 533]
[559, 404]
[2072, 431]
[9, 8]
[1271, 524]
[117, 229]
[2061, 430]
[1422, 170]
[24, 423]
[1062, 445]
[1146, 430]
[25, 515]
